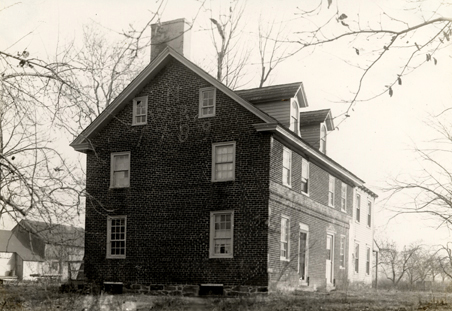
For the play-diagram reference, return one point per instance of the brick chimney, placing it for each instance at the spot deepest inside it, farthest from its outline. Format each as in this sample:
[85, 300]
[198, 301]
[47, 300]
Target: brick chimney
[175, 34]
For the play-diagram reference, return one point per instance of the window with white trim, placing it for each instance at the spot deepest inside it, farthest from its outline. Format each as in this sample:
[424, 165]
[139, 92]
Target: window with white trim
[342, 253]
[331, 190]
[356, 258]
[323, 138]
[358, 207]
[223, 161]
[207, 102]
[304, 175]
[369, 214]
[368, 261]
[221, 234]
[294, 116]
[120, 170]
[344, 197]
[140, 110]
[287, 167]
[285, 235]
[116, 237]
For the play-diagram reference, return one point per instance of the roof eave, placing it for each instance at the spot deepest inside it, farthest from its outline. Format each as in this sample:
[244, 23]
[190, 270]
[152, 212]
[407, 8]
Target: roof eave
[315, 156]
[141, 80]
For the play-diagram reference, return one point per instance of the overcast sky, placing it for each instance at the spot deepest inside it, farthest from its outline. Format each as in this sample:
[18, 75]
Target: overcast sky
[375, 143]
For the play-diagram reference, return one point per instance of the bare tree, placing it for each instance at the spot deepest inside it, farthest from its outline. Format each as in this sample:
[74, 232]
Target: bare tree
[429, 190]
[394, 263]
[371, 43]
[272, 48]
[231, 53]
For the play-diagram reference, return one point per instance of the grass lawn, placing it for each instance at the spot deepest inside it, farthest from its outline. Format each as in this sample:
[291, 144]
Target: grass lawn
[40, 298]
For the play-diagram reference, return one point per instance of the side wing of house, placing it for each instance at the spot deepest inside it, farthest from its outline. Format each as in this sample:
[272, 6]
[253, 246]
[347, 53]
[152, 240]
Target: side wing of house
[362, 236]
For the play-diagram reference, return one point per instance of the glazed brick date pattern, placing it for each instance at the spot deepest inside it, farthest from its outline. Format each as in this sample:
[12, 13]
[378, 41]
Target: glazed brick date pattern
[171, 195]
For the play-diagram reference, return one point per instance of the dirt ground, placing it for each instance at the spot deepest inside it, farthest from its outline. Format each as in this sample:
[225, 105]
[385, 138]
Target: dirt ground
[38, 297]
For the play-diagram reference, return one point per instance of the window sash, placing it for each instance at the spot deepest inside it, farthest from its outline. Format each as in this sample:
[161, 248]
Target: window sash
[344, 197]
[287, 167]
[140, 107]
[222, 234]
[116, 237]
[223, 162]
[207, 102]
[304, 175]
[369, 214]
[120, 170]
[331, 190]
[285, 232]
[358, 208]
[342, 253]
[368, 261]
[356, 258]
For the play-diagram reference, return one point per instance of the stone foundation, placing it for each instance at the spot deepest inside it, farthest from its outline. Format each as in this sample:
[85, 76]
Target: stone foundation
[191, 290]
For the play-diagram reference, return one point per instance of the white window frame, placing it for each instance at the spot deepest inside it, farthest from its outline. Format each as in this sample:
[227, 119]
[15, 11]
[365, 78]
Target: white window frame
[143, 99]
[358, 208]
[369, 213]
[305, 175]
[323, 134]
[109, 220]
[285, 238]
[331, 190]
[294, 116]
[368, 260]
[112, 171]
[202, 91]
[212, 253]
[287, 153]
[214, 163]
[343, 197]
[342, 252]
[356, 261]
[305, 229]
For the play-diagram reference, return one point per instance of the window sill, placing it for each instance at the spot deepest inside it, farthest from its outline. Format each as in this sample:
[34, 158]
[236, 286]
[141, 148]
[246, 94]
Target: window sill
[220, 257]
[127, 187]
[137, 124]
[207, 116]
[305, 193]
[116, 257]
[284, 259]
[223, 180]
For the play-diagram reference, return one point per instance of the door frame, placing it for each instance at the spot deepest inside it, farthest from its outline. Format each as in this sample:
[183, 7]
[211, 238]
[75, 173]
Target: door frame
[331, 281]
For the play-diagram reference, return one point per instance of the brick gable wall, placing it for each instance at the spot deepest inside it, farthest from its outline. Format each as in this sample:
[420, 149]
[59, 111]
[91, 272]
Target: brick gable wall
[171, 195]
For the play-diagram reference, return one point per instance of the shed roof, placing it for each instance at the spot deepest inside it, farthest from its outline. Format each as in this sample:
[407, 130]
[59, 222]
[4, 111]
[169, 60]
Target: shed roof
[10, 243]
[316, 117]
[270, 93]
[55, 233]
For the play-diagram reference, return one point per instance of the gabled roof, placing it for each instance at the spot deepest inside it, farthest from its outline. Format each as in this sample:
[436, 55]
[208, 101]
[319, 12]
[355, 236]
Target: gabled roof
[81, 143]
[316, 117]
[55, 233]
[10, 243]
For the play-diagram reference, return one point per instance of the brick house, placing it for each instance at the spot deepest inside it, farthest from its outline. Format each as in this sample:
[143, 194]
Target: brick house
[191, 183]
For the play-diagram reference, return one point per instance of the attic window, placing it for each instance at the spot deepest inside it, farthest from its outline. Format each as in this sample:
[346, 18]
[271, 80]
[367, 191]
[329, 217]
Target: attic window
[140, 110]
[207, 102]
[294, 116]
[323, 138]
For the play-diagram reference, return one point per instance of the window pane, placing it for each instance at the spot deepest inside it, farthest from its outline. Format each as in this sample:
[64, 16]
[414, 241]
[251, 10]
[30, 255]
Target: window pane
[121, 179]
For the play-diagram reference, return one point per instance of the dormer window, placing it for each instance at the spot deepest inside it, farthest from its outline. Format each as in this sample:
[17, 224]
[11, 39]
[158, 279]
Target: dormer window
[140, 110]
[294, 116]
[207, 102]
[323, 138]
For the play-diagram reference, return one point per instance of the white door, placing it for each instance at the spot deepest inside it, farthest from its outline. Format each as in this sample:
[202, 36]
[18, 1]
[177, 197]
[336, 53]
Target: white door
[329, 258]
[302, 260]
